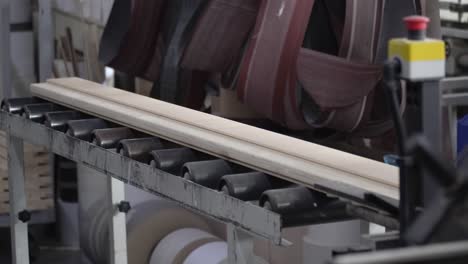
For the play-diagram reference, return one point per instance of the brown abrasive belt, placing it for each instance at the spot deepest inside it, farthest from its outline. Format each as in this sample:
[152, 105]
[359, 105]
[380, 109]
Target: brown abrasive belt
[292, 82]
[220, 34]
[356, 54]
[117, 27]
[269, 60]
[140, 20]
[275, 61]
[300, 63]
[176, 84]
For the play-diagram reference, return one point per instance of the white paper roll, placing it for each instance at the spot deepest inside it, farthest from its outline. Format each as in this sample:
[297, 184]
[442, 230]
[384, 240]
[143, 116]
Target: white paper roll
[320, 240]
[69, 225]
[147, 224]
[94, 237]
[153, 220]
[211, 253]
[137, 196]
[176, 246]
[92, 200]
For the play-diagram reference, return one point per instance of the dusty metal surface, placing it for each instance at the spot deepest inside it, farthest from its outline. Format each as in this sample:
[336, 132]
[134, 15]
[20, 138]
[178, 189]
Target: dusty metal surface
[245, 216]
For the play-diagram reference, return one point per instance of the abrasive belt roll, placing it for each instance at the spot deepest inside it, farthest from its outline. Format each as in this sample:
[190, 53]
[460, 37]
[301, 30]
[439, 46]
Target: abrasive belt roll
[175, 247]
[212, 253]
[147, 224]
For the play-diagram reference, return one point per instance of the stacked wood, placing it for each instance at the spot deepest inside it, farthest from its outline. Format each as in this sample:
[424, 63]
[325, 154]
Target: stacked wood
[39, 185]
[292, 159]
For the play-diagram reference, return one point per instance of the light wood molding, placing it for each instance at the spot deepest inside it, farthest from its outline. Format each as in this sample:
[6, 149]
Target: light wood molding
[282, 156]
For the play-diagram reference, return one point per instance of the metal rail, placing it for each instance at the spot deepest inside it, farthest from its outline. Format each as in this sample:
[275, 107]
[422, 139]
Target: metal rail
[243, 215]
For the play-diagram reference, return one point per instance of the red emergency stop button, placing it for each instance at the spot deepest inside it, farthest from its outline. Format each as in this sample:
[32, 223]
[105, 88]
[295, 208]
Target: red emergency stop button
[416, 26]
[416, 22]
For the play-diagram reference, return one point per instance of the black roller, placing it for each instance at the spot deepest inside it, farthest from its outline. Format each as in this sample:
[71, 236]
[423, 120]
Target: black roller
[207, 173]
[139, 148]
[15, 105]
[172, 160]
[36, 112]
[58, 120]
[250, 186]
[291, 200]
[83, 129]
[245, 186]
[109, 138]
[300, 206]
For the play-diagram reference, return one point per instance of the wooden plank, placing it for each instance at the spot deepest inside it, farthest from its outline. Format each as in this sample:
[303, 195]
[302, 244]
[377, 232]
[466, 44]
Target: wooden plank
[34, 157]
[37, 183]
[31, 196]
[228, 105]
[29, 163]
[28, 148]
[30, 173]
[32, 205]
[30, 157]
[43, 186]
[286, 157]
[40, 184]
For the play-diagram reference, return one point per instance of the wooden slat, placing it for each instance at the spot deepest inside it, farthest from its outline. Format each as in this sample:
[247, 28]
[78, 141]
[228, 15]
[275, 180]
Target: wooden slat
[29, 163]
[43, 185]
[30, 173]
[38, 183]
[28, 148]
[29, 157]
[39, 194]
[31, 204]
[286, 157]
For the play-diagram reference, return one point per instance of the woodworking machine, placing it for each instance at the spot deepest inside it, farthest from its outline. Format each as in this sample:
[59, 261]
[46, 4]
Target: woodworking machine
[433, 195]
[297, 204]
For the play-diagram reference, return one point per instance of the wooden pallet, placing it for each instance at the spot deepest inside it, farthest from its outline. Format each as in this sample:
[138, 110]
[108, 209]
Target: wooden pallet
[39, 183]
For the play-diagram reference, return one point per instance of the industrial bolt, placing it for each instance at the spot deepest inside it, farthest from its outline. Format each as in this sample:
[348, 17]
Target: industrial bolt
[24, 216]
[124, 207]
[448, 48]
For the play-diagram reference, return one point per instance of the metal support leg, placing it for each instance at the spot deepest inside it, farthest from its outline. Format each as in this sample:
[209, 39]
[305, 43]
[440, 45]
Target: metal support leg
[240, 246]
[432, 129]
[5, 51]
[118, 231]
[46, 40]
[453, 122]
[18, 229]
[432, 113]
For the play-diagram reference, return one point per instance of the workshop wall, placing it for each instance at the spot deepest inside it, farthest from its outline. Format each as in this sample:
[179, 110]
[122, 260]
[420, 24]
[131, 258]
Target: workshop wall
[95, 11]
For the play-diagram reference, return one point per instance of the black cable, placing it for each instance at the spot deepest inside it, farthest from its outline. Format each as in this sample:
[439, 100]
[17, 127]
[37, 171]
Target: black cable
[392, 83]
[392, 86]
[418, 147]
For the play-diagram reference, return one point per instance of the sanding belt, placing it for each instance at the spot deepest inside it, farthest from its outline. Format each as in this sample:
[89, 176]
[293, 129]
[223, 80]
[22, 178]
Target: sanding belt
[301, 63]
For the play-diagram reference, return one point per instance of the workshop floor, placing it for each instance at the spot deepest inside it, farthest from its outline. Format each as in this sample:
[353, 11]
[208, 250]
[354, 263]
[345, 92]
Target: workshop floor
[50, 257]
[48, 254]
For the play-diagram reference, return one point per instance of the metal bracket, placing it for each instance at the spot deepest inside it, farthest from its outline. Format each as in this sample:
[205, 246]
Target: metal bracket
[5, 54]
[18, 225]
[240, 246]
[118, 229]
